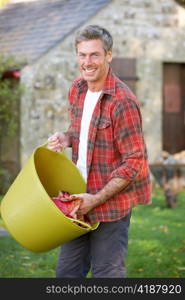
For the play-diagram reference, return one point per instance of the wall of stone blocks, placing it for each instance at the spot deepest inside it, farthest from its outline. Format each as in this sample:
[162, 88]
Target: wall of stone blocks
[151, 31]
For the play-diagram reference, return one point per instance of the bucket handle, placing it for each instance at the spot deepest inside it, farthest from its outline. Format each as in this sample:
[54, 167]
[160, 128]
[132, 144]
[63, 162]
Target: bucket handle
[80, 222]
[46, 143]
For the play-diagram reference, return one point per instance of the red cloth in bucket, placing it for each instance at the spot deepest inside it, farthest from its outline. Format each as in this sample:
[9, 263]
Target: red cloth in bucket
[69, 206]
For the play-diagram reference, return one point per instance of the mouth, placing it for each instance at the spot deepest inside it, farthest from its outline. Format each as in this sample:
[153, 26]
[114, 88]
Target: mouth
[89, 71]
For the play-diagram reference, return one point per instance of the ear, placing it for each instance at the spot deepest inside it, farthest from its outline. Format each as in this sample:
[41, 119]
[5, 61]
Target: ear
[109, 56]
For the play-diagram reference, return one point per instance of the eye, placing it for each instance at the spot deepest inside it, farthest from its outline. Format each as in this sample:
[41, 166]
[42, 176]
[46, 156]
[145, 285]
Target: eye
[95, 54]
[81, 55]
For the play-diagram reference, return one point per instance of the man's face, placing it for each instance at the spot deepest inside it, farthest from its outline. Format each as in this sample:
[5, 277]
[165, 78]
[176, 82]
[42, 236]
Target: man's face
[93, 61]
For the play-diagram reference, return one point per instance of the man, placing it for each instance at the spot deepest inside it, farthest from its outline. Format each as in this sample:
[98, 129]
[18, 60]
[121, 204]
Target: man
[109, 149]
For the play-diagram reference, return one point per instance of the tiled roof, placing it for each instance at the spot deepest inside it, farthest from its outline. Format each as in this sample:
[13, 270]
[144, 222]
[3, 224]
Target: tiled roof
[28, 29]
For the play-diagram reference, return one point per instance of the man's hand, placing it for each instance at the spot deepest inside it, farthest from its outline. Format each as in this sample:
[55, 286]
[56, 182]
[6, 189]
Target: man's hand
[58, 141]
[88, 203]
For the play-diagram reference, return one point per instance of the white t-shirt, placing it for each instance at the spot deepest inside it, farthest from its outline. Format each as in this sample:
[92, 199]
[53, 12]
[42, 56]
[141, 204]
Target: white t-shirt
[90, 102]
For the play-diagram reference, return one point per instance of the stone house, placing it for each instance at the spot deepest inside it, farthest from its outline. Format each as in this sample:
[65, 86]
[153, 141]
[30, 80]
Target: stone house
[149, 55]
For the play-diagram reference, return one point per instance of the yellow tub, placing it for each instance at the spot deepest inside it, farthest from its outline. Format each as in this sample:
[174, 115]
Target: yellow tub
[27, 210]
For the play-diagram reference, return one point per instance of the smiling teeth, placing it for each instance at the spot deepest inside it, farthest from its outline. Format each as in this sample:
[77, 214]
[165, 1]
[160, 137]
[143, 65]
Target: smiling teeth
[89, 71]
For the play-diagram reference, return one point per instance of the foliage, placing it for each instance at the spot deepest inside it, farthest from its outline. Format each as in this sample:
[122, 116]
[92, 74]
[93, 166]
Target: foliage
[181, 2]
[10, 93]
[156, 246]
[3, 2]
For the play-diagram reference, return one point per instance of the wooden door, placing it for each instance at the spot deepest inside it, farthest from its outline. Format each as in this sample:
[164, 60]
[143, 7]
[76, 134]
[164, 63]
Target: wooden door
[173, 107]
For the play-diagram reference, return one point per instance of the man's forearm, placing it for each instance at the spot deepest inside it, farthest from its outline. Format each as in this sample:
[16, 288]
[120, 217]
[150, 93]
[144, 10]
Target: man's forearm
[114, 186]
[90, 201]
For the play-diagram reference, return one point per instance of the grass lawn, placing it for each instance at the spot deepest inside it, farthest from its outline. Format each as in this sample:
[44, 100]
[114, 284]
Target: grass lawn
[157, 240]
[156, 246]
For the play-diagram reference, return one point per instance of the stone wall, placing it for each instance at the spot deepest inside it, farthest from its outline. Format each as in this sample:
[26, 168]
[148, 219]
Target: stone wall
[151, 31]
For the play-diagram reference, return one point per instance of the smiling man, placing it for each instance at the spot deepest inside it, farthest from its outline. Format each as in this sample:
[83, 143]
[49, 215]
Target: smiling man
[93, 62]
[108, 147]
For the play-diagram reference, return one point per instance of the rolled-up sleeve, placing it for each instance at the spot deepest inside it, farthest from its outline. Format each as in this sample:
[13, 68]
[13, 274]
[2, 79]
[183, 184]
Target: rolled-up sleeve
[128, 139]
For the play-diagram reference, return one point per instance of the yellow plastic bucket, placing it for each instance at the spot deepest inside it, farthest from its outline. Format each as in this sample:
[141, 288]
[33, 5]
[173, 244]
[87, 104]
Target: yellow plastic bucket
[27, 210]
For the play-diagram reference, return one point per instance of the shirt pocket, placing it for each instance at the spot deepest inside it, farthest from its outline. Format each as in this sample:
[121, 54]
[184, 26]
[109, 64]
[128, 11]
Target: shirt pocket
[103, 124]
[104, 133]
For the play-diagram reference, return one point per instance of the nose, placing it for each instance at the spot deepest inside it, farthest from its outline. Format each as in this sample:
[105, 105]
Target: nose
[88, 61]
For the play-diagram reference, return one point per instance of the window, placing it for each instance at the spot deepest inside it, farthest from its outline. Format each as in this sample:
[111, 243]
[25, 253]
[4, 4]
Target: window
[125, 69]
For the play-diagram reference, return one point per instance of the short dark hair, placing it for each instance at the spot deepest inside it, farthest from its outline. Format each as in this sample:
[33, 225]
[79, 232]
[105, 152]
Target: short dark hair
[95, 32]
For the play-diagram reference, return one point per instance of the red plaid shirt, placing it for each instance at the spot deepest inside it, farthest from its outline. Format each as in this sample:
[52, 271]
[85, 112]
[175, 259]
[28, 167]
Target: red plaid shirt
[116, 146]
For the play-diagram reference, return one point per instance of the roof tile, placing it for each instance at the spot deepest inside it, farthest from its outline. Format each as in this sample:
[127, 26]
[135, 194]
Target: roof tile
[46, 21]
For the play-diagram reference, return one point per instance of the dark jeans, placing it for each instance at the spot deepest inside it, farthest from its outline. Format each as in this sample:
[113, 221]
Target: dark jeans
[103, 250]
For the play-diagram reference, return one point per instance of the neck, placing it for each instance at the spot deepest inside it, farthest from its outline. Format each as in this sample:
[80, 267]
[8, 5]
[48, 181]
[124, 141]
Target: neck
[94, 87]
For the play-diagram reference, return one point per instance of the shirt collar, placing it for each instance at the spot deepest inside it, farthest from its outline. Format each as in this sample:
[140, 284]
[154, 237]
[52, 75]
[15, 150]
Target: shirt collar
[109, 86]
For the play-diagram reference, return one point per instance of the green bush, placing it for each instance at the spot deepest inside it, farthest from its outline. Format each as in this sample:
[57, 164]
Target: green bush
[10, 94]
